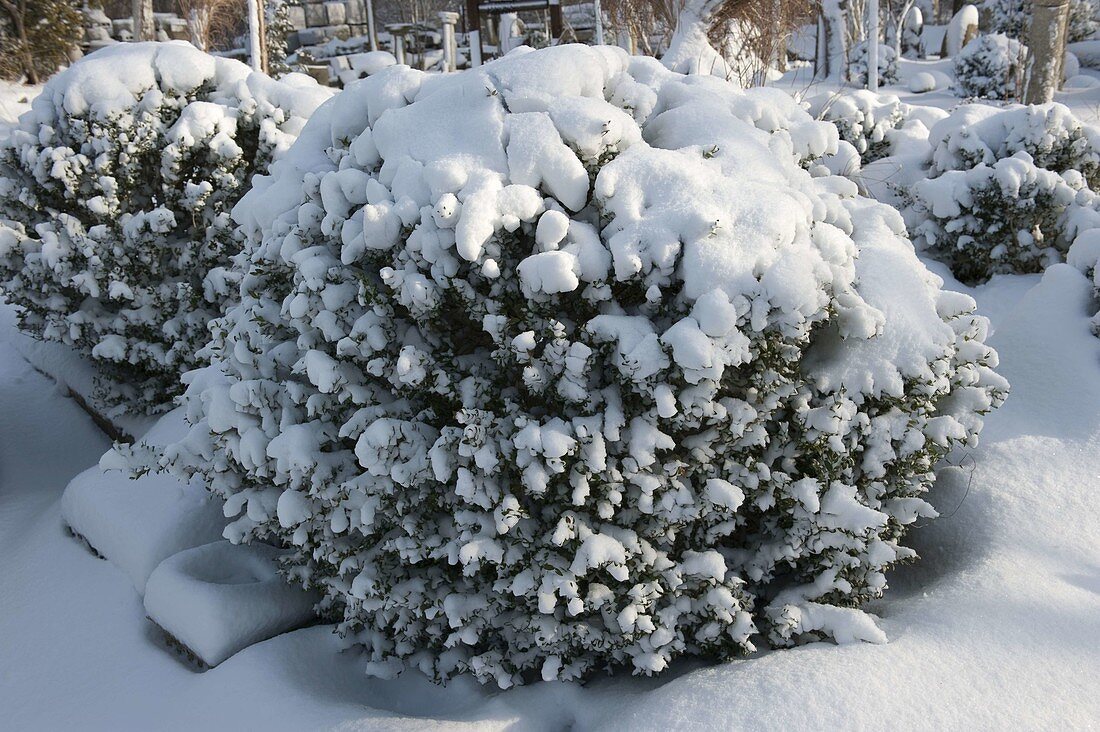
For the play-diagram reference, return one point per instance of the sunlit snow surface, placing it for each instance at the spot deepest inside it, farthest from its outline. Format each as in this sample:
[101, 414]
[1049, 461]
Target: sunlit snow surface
[997, 626]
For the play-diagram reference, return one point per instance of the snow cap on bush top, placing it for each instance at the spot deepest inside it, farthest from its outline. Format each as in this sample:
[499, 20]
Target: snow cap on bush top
[570, 361]
[111, 80]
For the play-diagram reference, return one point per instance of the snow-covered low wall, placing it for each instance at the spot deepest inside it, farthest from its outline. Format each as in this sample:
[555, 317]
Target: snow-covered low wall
[219, 598]
[137, 524]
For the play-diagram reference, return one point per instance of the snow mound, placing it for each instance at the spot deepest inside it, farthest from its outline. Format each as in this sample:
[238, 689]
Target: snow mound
[136, 524]
[219, 598]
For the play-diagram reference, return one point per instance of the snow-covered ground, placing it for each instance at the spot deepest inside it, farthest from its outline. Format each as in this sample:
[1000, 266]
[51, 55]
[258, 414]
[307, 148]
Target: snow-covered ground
[997, 626]
[15, 99]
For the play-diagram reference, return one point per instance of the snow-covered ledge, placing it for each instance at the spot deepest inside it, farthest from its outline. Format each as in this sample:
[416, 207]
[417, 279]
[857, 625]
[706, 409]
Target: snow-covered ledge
[137, 524]
[75, 374]
[217, 599]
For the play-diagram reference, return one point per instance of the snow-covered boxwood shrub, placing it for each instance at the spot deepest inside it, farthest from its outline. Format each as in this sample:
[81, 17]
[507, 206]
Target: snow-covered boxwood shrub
[115, 192]
[887, 64]
[534, 382]
[1006, 188]
[990, 67]
[862, 118]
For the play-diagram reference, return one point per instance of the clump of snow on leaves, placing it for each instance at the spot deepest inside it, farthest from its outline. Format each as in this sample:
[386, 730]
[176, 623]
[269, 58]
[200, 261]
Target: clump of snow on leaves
[535, 382]
[863, 119]
[858, 64]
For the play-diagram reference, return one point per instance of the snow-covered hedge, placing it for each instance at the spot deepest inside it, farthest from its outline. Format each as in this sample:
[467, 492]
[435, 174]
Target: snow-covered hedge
[887, 64]
[1006, 190]
[990, 67]
[535, 382]
[863, 119]
[115, 192]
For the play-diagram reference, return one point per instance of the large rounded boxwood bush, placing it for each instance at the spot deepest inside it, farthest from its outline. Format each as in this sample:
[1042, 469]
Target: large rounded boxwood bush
[572, 362]
[115, 192]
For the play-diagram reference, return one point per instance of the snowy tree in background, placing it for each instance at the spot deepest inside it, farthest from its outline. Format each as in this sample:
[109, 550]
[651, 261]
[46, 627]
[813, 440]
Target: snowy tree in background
[1013, 17]
[887, 64]
[37, 37]
[115, 193]
[1007, 189]
[277, 27]
[990, 67]
[534, 382]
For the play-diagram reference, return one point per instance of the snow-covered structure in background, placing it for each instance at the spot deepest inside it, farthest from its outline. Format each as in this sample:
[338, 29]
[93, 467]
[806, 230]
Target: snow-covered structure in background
[962, 29]
[862, 118]
[115, 193]
[887, 64]
[990, 67]
[1007, 190]
[533, 380]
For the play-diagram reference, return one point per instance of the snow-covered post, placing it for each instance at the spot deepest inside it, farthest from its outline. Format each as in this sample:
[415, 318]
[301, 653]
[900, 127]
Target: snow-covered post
[505, 31]
[450, 49]
[397, 31]
[370, 26]
[196, 27]
[599, 21]
[1047, 45]
[872, 45]
[257, 49]
[144, 29]
[962, 29]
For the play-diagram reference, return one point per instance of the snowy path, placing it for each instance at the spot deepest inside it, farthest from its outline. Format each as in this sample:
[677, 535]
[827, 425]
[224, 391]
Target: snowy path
[998, 626]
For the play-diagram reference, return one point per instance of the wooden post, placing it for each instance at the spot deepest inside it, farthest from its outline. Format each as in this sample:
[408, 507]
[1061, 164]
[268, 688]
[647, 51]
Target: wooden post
[257, 41]
[473, 31]
[555, 22]
[599, 21]
[1047, 49]
[144, 28]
